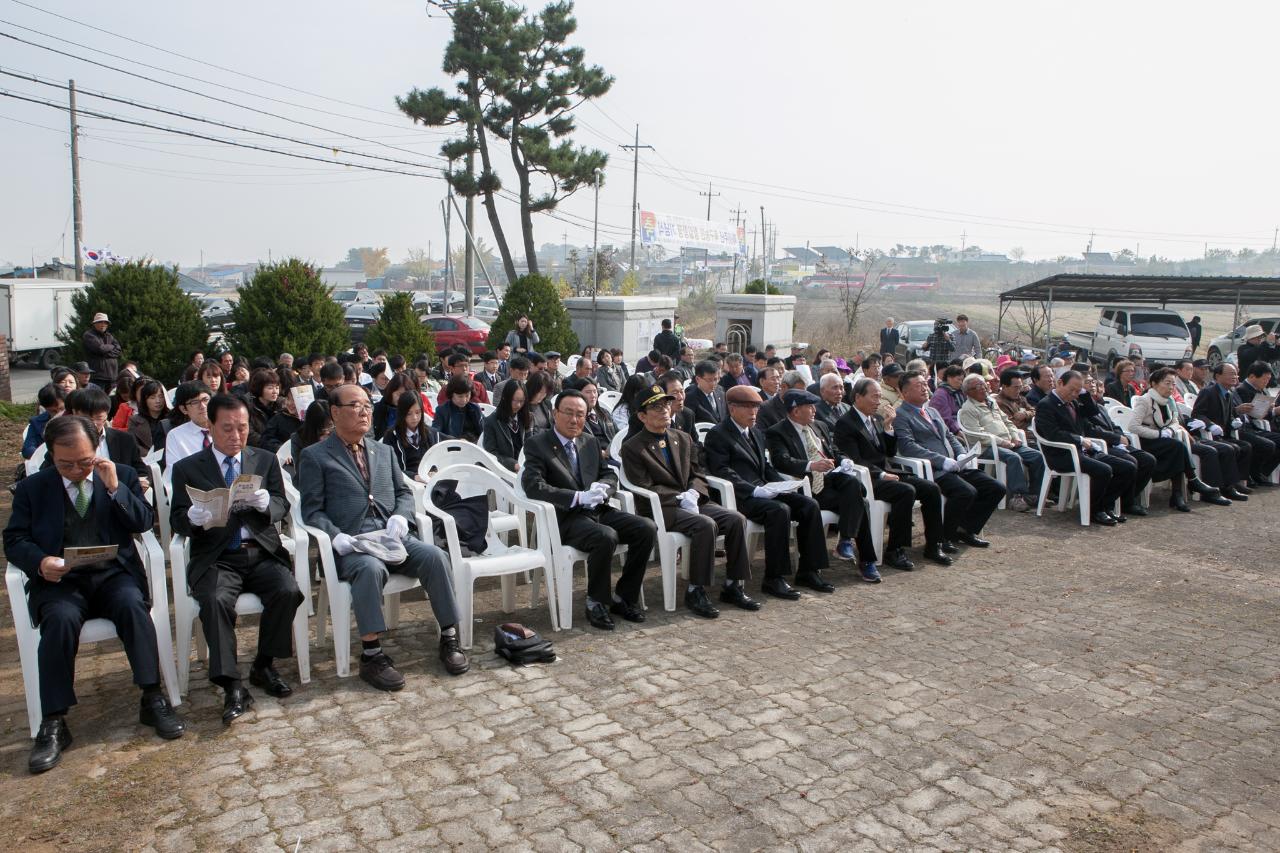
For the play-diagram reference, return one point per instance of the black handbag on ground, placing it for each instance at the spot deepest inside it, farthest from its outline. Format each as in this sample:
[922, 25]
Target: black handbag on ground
[521, 645]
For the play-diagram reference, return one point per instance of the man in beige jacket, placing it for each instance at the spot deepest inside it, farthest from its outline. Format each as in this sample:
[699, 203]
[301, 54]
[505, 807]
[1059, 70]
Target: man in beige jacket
[1024, 467]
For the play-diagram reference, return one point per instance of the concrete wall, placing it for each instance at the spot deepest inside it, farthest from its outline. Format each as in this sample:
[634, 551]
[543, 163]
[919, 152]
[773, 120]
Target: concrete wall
[770, 318]
[626, 322]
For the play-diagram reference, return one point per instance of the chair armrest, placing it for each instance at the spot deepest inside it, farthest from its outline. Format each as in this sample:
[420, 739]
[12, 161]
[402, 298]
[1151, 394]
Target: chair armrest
[453, 546]
[728, 498]
[179, 553]
[16, 582]
[655, 504]
[922, 468]
[806, 488]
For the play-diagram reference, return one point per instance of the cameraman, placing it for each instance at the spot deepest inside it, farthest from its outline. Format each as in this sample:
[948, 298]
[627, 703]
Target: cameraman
[939, 344]
[965, 340]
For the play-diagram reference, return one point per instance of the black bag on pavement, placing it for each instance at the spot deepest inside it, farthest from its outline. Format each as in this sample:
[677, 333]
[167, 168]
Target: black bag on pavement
[521, 645]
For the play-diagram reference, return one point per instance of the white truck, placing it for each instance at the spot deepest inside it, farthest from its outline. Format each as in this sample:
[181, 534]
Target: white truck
[1155, 334]
[32, 310]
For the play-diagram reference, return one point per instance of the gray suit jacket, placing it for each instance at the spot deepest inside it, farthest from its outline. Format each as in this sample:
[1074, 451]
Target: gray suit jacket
[334, 495]
[920, 439]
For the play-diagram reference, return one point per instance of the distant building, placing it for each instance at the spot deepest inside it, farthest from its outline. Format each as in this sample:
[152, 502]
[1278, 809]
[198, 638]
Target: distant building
[342, 278]
[1100, 262]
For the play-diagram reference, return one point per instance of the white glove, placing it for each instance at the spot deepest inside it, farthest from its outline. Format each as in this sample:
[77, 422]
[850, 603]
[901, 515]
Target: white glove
[1119, 448]
[260, 501]
[689, 501]
[590, 499]
[1214, 429]
[343, 544]
[1195, 425]
[1236, 423]
[847, 466]
[397, 526]
[949, 465]
[762, 492]
[1166, 433]
[602, 488]
[199, 515]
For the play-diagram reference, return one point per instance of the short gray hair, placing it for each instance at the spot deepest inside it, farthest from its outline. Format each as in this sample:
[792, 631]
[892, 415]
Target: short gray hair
[971, 380]
[830, 379]
[827, 364]
[792, 378]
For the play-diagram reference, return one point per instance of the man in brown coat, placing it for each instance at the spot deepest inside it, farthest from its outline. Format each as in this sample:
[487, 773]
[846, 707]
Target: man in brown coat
[663, 460]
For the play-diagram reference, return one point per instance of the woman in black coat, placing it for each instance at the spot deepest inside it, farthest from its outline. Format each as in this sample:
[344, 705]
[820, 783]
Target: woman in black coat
[457, 416]
[507, 428]
[411, 437]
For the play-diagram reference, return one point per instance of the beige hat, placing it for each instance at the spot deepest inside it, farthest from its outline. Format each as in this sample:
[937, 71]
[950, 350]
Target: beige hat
[1254, 331]
[100, 318]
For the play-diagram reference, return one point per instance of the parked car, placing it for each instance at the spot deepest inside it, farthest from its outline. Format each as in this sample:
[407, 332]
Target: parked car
[436, 301]
[453, 329]
[487, 310]
[1224, 346]
[345, 296]
[216, 311]
[359, 317]
[911, 337]
[1156, 334]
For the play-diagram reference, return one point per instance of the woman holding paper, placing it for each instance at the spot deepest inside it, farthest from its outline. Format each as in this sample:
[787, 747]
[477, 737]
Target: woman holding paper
[1156, 422]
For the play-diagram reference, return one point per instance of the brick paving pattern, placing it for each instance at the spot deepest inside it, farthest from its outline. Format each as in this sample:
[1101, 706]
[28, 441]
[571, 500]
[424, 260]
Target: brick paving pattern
[1067, 689]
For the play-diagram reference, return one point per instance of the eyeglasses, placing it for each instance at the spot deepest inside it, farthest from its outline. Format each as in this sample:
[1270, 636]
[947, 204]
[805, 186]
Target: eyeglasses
[573, 416]
[359, 408]
[199, 402]
[73, 464]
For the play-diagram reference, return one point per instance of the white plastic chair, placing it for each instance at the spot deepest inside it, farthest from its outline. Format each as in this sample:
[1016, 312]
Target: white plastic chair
[1122, 416]
[37, 459]
[1074, 484]
[168, 395]
[285, 454]
[989, 459]
[186, 610]
[487, 409]
[155, 455]
[161, 494]
[94, 630]
[499, 559]
[609, 399]
[446, 454]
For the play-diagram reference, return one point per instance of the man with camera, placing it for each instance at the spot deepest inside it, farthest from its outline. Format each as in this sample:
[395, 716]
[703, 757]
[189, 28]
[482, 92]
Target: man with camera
[939, 344]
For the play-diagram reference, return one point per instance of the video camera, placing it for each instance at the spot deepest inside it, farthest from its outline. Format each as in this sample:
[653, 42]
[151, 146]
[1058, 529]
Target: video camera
[942, 325]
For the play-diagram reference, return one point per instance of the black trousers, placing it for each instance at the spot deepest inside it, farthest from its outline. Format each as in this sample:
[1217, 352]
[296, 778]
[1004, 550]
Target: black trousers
[1111, 477]
[61, 609]
[712, 520]
[776, 515]
[844, 495]
[971, 498]
[1145, 464]
[901, 495]
[1266, 451]
[599, 532]
[216, 591]
[1218, 465]
[1170, 455]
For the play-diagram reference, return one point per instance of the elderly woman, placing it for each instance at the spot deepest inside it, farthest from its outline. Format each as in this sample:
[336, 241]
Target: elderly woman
[1156, 422]
[1124, 387]
[949, 398]
[608, 376]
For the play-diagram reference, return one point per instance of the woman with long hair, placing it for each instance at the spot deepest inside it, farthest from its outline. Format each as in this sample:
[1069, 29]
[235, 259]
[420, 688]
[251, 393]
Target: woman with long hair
[123, 406]
[211, 375]
[537, 388]
[384, 411]
[457, 416]
[623, 417]
[263, 402]
[523, 339]
[147, 426]
[411, 437]
[285, 422]
[506, 429]
[315, 428]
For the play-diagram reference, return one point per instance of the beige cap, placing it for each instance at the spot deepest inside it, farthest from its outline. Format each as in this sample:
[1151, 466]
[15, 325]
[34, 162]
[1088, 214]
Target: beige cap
[100, 318]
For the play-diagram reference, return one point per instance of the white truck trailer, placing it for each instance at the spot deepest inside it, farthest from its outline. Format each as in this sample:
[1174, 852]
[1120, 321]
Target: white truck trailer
[32, 310]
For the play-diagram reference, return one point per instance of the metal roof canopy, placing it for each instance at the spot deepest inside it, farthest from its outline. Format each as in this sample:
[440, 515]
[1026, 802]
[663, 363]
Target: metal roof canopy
[1143, 289]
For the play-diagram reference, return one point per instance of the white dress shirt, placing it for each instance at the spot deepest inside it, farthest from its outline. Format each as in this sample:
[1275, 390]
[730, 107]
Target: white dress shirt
[181, 442]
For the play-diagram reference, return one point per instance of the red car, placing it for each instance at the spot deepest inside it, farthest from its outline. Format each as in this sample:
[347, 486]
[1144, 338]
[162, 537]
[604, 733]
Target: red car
[453, 329]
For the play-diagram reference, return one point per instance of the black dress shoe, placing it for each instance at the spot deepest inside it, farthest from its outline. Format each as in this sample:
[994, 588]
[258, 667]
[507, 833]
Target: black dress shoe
[898, 559]
[380, 672]
[236, 704]
[972, 541]
[1263, 484]
[1104, 518]
[737, 596]
[779, 588]
[1178, 502]
[814, 581]
[51, 739]
[1120, 519]
[1134, 509]
[934, 554]
[269, 680]
[1235, 494]
[1216, 500]
[159, 714]
[627, 611]
[598, 616]
[451, 654]
[699, 605]
[1245, 489]
[948, 547]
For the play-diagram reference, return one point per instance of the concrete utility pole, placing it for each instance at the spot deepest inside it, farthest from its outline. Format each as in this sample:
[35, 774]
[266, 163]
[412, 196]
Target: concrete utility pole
[764, 250]
[733, 282]
[635, 188]
[709, 194]
[77, 215]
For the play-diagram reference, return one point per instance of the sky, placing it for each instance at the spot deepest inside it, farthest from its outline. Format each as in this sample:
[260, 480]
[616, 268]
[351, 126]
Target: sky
[1002, 124]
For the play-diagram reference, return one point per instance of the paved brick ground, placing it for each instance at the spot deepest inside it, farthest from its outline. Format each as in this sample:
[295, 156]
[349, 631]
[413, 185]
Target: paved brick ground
[1067, 689]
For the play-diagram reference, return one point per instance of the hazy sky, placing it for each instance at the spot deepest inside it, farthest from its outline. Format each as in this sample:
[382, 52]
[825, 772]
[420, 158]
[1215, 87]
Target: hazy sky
[1014, 123]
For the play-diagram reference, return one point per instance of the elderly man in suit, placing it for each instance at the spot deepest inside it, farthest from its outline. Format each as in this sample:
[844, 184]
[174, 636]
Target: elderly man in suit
[84, 499]
[665, 461]
[705, 397]
[243, 555]
[801, 446]
[1058, 419]
[564, 467]
[864, 436]
[831, 404]
[1220, 407]
[351, 485]
[971, 495]
[736, 452]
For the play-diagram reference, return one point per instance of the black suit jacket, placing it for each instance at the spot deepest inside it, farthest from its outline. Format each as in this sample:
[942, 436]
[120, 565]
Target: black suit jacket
[697, 400]
[773, 410]
[548, 476]
[1054, 422]
[888, 340]
[1212, 407]
[787, 452]
[499, 441]
[740, 461]
[201, 471]
[872, 451]
[39, 511]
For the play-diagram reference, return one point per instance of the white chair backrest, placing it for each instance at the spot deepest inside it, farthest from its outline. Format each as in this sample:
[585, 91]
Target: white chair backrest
[1122, 415]
[702, 429]
[486, 409]
[284, 454]
[457, 452]
[37, 459]
[154, 456]
[615, 445]
[609, 399]
[571, 362]
[168, 396]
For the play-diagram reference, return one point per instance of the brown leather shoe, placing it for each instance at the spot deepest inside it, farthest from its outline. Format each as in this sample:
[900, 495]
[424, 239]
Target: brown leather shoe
[380, 672]
[451, 654]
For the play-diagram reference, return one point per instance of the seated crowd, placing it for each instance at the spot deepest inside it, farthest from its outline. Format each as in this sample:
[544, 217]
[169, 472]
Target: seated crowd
[732, 445]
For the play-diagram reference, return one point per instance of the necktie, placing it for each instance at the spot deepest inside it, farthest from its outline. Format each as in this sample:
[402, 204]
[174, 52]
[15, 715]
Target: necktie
[357, 454]
[205, 433]
[82, 498]
[230, 477]
[571, 450]
[666, 451]
[871, 430]
[818, 479]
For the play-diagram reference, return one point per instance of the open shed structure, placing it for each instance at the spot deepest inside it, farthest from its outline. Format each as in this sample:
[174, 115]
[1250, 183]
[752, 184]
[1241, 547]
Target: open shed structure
[1162, 290]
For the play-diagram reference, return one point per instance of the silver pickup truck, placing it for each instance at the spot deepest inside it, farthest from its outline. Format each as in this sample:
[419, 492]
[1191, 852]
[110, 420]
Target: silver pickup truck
[1155, 334]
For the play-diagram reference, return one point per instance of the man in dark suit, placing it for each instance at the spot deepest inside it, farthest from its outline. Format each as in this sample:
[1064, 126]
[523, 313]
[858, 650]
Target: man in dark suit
[1110, 474]
[664, 461]
[1219, 405]
[775, 410]
[735, 372]
[243, 555]
[1091, 406]
[705, 397]
[971, 495]
[490, 376]
[889, 337]
[564, 467]
[667, 342]
[865, 437]
[84, 499]
[736, 452]
[800, 446]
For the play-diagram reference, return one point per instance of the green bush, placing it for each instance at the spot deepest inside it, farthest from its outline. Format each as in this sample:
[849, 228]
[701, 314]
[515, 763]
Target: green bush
[157, 324]
[536, 296]
[757, 285]
[399, 330]
[285, 307]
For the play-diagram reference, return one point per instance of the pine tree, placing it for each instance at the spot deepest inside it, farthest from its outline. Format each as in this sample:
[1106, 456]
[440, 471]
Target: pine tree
[399, 330]
[535, 296]
[285, 307]
[158, 325]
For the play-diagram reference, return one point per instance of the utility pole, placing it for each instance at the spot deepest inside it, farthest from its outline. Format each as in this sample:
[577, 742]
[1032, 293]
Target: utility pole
[565, 237]
[764, 250]
[468, 264]
[964, 236]
[76, 214]
[635, 188]
[1274, 236]
[737, 218]
[595, 257]
[709, 194]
